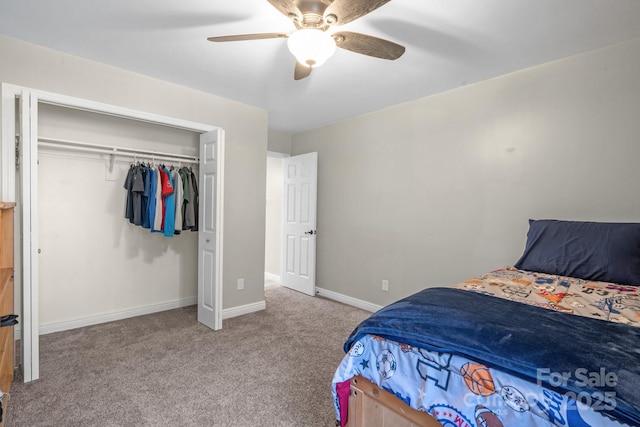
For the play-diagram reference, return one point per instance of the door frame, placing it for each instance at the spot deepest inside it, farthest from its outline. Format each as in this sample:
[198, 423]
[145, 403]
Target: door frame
[271, 276]
[26, 277]
[296, 280]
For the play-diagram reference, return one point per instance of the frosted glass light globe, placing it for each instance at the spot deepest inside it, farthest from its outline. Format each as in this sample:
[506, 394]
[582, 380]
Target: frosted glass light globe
[311, 47]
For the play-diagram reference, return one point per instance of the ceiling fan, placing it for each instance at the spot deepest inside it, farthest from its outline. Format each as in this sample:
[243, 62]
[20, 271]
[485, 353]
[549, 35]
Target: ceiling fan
[312, 44]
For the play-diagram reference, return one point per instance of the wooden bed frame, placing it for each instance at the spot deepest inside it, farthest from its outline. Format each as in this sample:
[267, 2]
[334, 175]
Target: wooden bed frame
[370, 406]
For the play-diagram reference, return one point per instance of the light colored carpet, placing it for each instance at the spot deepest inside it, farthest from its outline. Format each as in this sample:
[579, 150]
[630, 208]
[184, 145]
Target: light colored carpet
[271, 368]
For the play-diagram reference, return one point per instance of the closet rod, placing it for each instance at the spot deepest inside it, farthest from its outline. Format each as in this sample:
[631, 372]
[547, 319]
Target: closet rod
[114, 150]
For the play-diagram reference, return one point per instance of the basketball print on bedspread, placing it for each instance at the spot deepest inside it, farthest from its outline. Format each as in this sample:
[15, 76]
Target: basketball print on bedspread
[478, 379]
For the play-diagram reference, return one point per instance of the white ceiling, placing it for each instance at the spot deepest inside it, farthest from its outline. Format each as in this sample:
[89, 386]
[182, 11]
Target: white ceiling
[450, 43]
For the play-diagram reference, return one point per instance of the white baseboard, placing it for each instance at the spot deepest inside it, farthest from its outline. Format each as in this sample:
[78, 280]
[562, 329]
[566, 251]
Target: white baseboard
[104, 318]
[271, 276]
[364, 305]
[227, 313]
[240, 310]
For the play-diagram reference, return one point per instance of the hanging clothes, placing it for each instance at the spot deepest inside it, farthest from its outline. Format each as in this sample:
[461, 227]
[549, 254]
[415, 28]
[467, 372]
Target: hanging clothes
[188, 217]
[163, 200]
[179, 194]
[151, 209]
[157, 219]
[128, 208]
[137, 188]
[196, 201]
[134, 184]
[169, 220]
[146, 173]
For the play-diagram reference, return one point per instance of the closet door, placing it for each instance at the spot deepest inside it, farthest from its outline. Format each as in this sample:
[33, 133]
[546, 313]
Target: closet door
[29, 343]
[210, 231]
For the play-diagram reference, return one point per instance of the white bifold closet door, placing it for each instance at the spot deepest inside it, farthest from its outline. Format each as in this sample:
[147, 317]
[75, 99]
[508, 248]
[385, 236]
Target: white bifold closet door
[210, 234]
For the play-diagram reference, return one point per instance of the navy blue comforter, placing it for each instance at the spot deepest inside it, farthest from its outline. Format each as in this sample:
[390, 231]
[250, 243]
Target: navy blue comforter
[518, 339]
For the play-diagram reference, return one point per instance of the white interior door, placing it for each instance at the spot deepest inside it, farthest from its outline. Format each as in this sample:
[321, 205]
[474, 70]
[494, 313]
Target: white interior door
[210, 232]
[299, 195]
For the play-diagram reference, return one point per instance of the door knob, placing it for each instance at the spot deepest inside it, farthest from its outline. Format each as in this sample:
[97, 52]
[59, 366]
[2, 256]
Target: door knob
[310, 232]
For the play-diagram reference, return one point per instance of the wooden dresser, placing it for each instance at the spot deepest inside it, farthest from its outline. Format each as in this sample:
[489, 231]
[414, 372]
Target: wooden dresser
[7, 343]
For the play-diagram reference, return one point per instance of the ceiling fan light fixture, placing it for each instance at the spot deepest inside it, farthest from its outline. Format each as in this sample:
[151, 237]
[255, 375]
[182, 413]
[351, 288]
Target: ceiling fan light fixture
[311, 47]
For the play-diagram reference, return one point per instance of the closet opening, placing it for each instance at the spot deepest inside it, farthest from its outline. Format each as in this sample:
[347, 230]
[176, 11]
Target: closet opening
[80, 261]
[95, 265]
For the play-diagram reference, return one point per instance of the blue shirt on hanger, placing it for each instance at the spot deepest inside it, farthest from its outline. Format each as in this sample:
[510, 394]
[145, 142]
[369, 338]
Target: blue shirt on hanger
[146, 173]
[170, 209]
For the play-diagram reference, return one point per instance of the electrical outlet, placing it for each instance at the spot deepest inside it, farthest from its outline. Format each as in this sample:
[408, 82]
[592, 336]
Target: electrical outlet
[240, 284]
[385, 285]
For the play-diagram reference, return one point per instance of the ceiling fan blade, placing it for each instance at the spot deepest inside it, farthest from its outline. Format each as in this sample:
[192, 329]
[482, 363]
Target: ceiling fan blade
[368, 45]
[301, 71]
[241, 37]
[288, 8]
[348, 10]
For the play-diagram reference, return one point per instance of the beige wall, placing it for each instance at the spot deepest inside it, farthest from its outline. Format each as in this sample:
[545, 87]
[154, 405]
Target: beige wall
[246, 145]
[279, 142]
[438, 190]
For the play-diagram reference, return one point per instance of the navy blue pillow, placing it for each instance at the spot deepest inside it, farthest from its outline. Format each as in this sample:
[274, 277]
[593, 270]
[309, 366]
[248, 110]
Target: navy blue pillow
[603, 251]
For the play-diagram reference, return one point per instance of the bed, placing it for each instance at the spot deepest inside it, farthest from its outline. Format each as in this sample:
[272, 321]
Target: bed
[552, 341]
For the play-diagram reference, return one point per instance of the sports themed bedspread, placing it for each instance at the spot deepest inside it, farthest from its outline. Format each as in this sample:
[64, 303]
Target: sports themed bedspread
[599, 300]
[459, 391]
